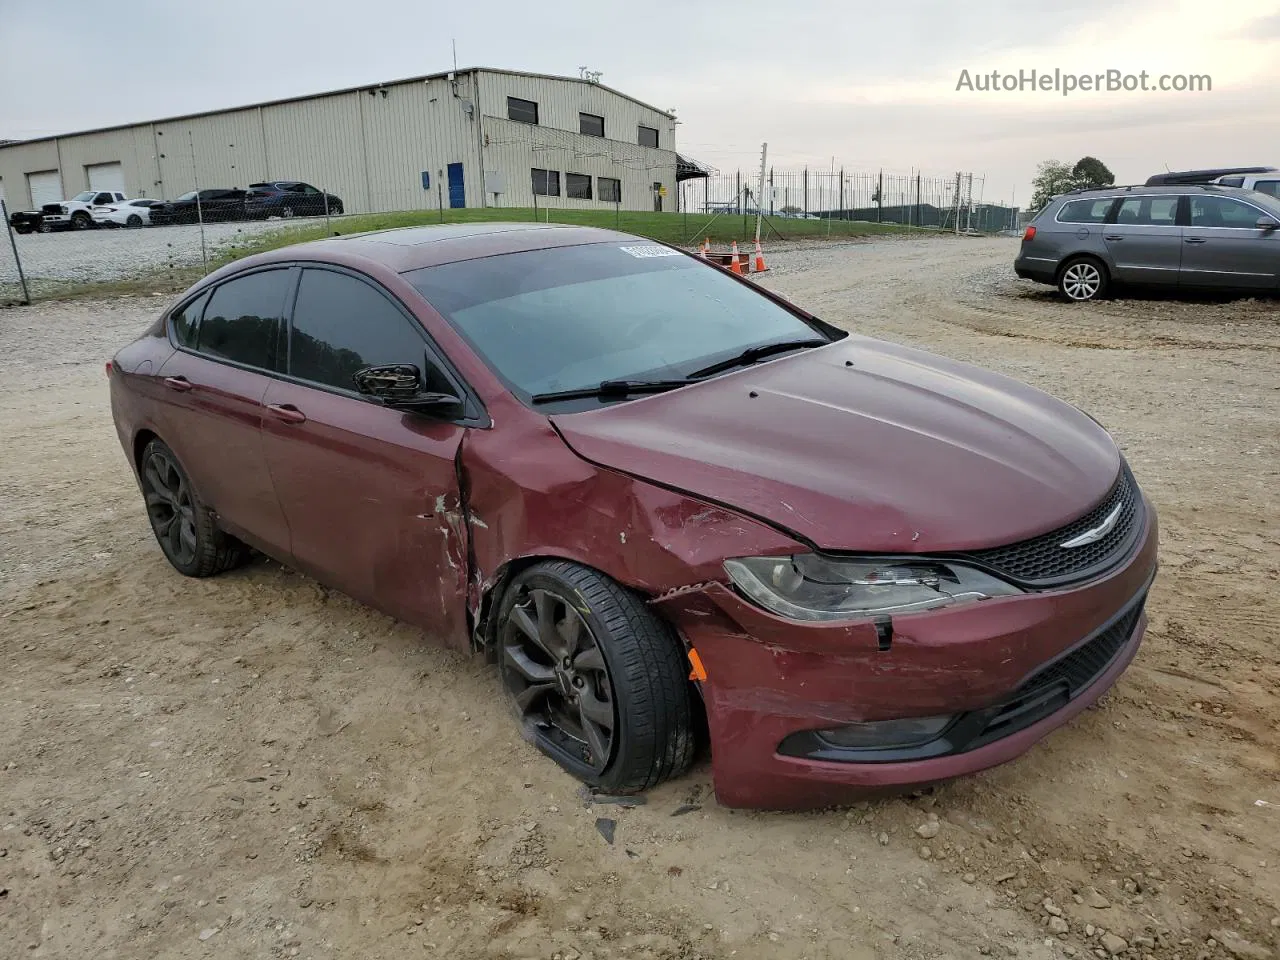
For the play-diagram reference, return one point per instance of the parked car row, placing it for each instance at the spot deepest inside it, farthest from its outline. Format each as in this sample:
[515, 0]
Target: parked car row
[1186, 235]
[95, 208]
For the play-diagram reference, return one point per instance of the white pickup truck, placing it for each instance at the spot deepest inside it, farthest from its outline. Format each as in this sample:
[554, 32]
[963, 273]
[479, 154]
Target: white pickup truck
[78, 211]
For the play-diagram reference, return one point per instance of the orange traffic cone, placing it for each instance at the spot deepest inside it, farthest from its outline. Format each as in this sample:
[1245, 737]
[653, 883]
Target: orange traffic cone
[736, 263]
[759, 264]
[706, 248]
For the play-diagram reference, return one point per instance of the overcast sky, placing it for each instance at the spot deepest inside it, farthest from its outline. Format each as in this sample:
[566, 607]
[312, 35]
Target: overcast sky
[871, 84]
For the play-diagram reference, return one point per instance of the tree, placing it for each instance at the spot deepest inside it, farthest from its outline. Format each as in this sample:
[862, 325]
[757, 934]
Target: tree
[1052, 178]
[1092, 172]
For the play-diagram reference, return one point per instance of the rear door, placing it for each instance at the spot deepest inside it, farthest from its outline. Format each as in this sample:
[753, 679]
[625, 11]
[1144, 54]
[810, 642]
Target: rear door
[1144, 240]
[1223, 247]
[212, 389]
[371, 494]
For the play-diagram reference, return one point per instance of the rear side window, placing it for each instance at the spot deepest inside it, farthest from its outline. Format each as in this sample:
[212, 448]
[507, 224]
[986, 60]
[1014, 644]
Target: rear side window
[341, 324]
[1085, 211]
[186, 319]
[1149, 211]
[1232, 181]
[1270, 187]
[242, 321]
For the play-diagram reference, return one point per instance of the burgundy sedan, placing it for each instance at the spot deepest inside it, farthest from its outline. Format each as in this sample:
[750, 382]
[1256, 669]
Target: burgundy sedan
[650, 491]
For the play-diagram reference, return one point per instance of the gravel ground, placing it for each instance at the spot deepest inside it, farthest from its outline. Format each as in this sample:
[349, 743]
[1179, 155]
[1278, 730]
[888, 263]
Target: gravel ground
[82, 256]
[253, 766]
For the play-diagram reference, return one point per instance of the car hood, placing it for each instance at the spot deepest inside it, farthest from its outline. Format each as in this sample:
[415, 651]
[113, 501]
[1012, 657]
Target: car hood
[864, 445]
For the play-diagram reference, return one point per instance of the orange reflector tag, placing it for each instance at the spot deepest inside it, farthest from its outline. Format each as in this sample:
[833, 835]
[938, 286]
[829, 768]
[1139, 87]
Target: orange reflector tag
[699, 672]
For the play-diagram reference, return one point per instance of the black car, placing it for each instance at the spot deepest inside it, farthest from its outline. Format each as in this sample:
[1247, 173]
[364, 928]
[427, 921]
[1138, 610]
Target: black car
[218, 203]
[289, 198]
[27, 221]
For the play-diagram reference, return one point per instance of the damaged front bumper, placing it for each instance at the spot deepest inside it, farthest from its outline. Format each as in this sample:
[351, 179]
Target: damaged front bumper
[1003, 672]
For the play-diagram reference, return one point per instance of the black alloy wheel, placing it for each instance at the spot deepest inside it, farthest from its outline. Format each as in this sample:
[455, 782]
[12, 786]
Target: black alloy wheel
[183, 526]
[597, 681]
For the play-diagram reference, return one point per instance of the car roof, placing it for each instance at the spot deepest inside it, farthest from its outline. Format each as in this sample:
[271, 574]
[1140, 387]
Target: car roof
[410, 248]
[1104, 193]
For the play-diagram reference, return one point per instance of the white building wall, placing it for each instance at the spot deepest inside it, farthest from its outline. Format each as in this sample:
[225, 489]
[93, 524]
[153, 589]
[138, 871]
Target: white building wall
[370, 146]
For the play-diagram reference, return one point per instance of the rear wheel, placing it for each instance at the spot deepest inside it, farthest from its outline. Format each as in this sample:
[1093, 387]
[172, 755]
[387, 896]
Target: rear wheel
[1083, 278]
[335, 209]
[24, 229]
[45, 227]
[598, 682]
[183, 525]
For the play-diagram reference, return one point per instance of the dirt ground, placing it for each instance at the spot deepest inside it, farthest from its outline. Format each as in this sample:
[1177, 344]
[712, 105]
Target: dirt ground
[253, 766]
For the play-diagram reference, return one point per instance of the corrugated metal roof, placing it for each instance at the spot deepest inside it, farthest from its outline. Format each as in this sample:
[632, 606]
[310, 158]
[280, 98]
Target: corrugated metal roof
[336, 93]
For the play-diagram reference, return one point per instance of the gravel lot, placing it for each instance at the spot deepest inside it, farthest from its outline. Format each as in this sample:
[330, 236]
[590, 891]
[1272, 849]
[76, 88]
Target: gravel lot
[254, 766]
[80, 256]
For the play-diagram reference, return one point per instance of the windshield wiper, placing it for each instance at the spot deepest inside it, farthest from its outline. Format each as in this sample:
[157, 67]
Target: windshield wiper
[613, 388]
[758, 352]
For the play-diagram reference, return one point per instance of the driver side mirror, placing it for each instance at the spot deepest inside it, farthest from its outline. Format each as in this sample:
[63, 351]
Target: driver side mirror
[399, 385]
[1267, 223]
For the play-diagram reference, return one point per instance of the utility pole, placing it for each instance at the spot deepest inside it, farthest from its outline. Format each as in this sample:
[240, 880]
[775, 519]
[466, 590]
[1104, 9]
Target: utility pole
[195, 178]
[764, 153]
[22, 277]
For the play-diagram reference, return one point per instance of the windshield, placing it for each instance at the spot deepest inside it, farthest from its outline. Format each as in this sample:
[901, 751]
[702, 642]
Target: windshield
[568, 318]
[186, 196]
[85, 196]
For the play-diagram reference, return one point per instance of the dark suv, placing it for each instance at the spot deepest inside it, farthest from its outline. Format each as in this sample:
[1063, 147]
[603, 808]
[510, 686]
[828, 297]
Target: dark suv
[289, 198]
[1210, 236]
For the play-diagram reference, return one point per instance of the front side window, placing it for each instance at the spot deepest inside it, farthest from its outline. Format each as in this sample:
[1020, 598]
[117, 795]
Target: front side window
[1149, 211]
[243, 317]
[610, 189]
[341, 325]
[577, 186]
[1085, 211]
[546, 183]
[1211, 211]
[647, 137]
[102, 198]
[590, 125]
[568, 318]
[522, 111]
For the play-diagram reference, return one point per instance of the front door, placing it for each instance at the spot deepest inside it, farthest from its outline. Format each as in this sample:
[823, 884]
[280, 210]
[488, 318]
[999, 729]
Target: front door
[457, 188]
[1223, 247]
[371, 494]
[212, 391]
[1145, 241]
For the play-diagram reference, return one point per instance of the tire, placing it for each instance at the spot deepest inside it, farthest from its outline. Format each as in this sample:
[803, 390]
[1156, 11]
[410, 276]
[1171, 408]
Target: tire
[335, 209]
[182, 524]
[1082, 279]
[24, 229]
[44, 227]
[133, 221]
[577, 651]
[81, 220]
[286, 212]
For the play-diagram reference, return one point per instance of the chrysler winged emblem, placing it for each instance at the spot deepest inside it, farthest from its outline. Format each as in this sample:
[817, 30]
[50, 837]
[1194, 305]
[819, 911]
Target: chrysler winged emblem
[1097, 533]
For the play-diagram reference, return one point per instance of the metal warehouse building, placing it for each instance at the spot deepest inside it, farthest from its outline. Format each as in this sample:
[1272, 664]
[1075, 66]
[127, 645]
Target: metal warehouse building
[467, 138]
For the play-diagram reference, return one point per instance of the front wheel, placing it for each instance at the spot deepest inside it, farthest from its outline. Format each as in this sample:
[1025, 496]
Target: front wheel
[597, 681]
[335, 209]
[81, 220]
[1083, 278]
[286, 212]
[183, 525]
[45, 227]
[133, 221]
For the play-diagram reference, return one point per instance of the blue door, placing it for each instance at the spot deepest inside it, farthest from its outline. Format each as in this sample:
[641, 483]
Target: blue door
[457, 190]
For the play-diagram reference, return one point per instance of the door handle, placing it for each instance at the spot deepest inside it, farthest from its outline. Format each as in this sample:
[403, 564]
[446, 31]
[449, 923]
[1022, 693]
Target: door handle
[181, 384]
[286, 413]
[1112, 237]
[1193, 240]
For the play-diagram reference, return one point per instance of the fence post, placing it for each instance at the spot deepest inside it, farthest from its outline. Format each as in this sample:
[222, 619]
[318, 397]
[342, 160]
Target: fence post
[772, 191]
[806, 192]
[843, 216]
[737, 196]
[22, 277]
[919, 214]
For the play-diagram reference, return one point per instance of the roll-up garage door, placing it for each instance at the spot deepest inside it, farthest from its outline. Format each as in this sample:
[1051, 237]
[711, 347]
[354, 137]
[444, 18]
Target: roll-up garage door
[46, 187]
[105, 176]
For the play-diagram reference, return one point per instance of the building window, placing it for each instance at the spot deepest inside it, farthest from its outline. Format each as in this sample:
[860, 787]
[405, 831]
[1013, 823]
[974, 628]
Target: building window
[648, 137]
[546, 183]
[610, 190]
[589, 125]
[577, 186]
[522, 111]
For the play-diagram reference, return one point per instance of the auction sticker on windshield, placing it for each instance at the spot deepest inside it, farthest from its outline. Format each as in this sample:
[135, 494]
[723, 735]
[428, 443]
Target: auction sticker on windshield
[650, 250]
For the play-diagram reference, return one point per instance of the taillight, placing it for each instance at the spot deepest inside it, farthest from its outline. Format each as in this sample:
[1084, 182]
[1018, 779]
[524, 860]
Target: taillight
[111, 367]
[1030, 234]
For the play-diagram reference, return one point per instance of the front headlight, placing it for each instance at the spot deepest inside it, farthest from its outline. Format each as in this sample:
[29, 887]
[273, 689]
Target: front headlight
[809, 586]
